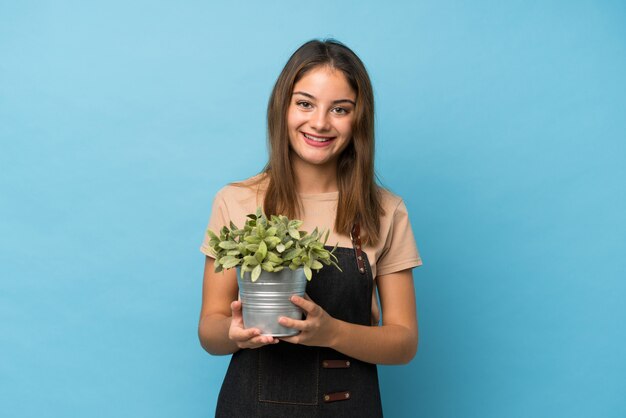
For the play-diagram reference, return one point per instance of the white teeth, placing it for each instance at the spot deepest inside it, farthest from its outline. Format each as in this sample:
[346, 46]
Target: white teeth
[316, 139]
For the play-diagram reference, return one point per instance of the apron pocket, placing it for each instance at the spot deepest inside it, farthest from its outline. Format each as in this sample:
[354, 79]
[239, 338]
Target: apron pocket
[288, 373]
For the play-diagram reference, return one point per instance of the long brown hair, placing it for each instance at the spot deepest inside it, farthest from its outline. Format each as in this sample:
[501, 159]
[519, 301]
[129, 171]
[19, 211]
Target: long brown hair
[359, 196]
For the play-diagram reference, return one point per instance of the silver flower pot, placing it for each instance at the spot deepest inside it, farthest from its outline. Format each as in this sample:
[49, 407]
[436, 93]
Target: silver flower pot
[268, 298]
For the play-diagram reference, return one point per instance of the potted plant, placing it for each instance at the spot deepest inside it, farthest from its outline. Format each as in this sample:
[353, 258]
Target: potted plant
[274, 259]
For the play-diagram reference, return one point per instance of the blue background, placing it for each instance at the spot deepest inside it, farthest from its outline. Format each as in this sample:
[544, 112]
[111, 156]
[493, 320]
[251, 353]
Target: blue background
[502, 124]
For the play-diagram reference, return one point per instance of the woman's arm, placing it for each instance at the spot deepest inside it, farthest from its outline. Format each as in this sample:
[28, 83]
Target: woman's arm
[395, 342]
[220, 328]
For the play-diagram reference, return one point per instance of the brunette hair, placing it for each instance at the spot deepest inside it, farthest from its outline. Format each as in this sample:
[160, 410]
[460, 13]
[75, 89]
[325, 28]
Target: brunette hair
[359, 195]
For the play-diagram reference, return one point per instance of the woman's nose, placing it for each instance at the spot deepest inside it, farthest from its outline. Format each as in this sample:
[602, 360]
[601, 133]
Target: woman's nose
[319, 120]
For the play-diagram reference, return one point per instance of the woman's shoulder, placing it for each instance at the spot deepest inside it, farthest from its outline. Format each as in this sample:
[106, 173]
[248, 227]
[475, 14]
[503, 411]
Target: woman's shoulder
[257, 181]
[250, 186]
[389, 200]
[242, 197]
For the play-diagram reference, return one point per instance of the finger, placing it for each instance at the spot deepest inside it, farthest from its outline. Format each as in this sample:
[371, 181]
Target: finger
[235, 306]
[308, 306]
[293, 323]
[258, 341]
[243, 334]
[264, 339]
[237, 317]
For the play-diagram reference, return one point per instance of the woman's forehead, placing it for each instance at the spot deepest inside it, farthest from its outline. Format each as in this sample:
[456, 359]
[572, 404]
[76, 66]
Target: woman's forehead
[325, 83]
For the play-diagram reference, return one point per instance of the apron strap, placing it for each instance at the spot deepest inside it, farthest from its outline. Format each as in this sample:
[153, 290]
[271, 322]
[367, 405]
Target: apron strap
[355, 236]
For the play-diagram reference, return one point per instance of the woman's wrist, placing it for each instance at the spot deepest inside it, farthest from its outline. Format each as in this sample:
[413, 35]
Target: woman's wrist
[338, 331]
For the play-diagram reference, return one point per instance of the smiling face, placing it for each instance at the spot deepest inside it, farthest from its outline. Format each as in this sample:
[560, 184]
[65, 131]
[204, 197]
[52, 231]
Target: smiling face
[320, 117]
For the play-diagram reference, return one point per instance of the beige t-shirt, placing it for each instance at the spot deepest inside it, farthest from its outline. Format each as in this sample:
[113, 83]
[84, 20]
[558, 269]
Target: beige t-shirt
[395, 251]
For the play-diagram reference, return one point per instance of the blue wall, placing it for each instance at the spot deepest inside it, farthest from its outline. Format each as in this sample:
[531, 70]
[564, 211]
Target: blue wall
[502, 124]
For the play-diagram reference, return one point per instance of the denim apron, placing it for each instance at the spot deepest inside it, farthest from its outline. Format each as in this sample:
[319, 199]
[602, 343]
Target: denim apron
[298, 381]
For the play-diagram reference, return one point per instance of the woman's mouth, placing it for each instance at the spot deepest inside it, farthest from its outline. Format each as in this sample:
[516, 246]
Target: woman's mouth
[317, 141]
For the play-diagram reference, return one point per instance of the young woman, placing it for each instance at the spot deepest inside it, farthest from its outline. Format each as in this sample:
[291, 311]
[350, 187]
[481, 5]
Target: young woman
[320, 170]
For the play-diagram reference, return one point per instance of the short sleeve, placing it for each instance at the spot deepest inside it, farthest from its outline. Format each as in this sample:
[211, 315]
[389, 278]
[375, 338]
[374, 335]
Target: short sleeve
[218, 219]
[400, 251]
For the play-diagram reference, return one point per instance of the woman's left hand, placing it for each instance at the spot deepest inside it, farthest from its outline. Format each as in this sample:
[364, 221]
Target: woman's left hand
[318, 329]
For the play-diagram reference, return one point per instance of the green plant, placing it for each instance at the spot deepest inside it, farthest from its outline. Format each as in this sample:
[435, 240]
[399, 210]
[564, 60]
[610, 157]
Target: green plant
[270, 245]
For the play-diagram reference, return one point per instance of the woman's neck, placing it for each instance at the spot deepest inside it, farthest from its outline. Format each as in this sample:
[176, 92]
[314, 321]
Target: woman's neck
[313, 179]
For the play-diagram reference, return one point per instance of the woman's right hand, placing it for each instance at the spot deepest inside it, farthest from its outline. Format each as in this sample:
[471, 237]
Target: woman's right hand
[246, 337]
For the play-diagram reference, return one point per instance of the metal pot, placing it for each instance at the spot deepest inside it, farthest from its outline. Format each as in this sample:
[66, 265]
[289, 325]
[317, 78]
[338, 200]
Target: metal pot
[268, 298]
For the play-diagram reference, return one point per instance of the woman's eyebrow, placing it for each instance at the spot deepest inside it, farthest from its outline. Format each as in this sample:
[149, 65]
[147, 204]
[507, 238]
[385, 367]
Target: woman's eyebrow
[310, 96]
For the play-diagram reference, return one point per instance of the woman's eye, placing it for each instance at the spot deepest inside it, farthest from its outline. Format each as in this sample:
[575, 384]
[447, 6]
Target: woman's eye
[340, 110]
[305, 105]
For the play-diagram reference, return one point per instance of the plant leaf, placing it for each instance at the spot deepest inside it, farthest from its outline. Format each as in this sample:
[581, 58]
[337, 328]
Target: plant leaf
[272, 242]
[267, 266]
[336, 265]
[260, 230]
[272, 257]
[250, 259]
[316, 265]
[256, 273]
[295, 224]
[228, 245]
[252, 239]
[291, 254]
[229, 261]
[253, 248]
[261, 252]
[308, 273]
